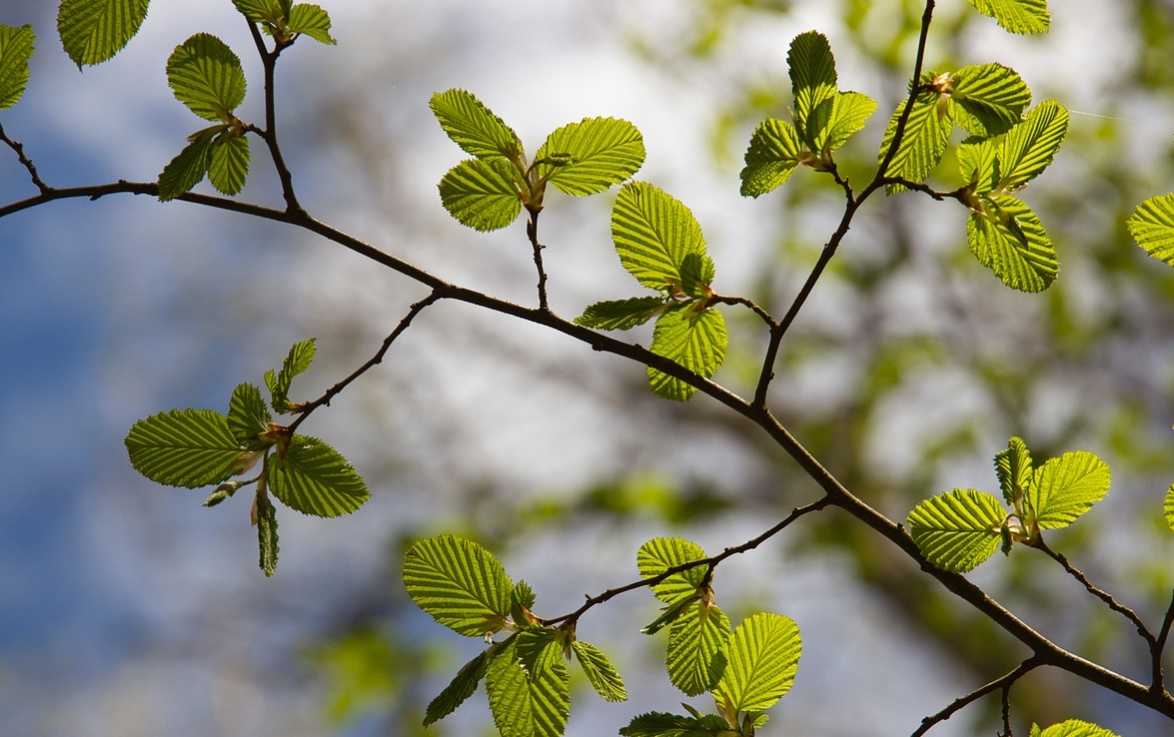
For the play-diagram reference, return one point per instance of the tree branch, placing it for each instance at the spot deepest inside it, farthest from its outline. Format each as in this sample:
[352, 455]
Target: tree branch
[1003, 683]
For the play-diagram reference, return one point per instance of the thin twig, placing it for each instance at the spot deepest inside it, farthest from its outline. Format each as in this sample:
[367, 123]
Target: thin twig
[532, 234]
[1157, 675]
[269, 135]
[25, 161]
[1004, 683]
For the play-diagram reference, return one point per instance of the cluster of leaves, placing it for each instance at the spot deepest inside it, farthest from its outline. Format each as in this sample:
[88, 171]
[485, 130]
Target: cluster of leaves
[193, 448]
[960, 529]
[465, 588]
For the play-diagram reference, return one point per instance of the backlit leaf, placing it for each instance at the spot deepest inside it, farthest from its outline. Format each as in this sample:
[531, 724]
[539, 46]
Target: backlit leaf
[847, 113]
[461, 584]
[92, 31]
[1066, 487]
[661, 724]
[662, 553]
[588, 157]
[978, 162]
[653, 233]
[989, 99]
[311, 20]
[1152, 226]
[775, 150]
[228, 164]
[207, 76]
[459, 689]
[481, 194]
[621, 314]
[314, 478]
[1168, 507]
[926, 137]
[473, 127]
[266, 532]
[694, 657]
[16, 48]
[813, 77]
[697, 341]
[762, 658]
[189, 448]
[1028, 148]
[1074, 728]
[1010, 241]
[601, 674]
[1013, 467]
[248, 416]
[297, 361]
[957, 530]
[534, 704]
[1017, 16]
[267, 11]
[188, 168]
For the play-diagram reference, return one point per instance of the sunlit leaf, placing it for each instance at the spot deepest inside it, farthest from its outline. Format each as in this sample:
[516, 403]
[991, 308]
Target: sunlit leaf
[694, 656]
[92, 31]
[1014, 469]
[311, 20]
[1017, 16]
[588, 157]
[653, 233]
[1028, 148]
[1010, 241]
[957, 530]
[1066, 487]
[662, 553]
[461, 584]
[189, 448]
[697, 341]
[926, 137]
[16, 48]
[1073, 728]
[1152, 226]
[813, 77]
[188, 168]
[621, 314]
[248, 416]
[775, 150]
[266, 532]
[459, 689]
[473, 127]
[601, 674]
[847, 113]
[228, 164]
[481, 194]
[529, 704]
[989, 99]
[297, 361]
[978, 163]
[1168, 507]
[661, 724]
[313, 478]
[762, 658]
[207, 76]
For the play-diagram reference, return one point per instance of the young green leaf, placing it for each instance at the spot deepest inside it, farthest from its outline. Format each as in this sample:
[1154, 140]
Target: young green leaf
[16, 48]
[300, 356]
[248, 417]
[311, 20]
[1014, 470]
[228, 165]
[460, 689]
[987, 99]
[522, 595]
[840, 117]
[206, 76]
[775, 150]
[461, 584]
[1168, 508]
[313, 478]
[695, 658]
[188, 168]
[697, 274]
[957, 530]
[1066, 487]
[662, 553]
[588, 157]
[926, 136]
[978, 163]
[653, 233]
[813, 78]
[529, 704]
[661, 724]
[1071, 728]
[671, 613]
[92, 31]
[621, 314]
[260, 11]
[601, 674]
[695, 340]
[762, 658]
[1009, 240]
[189, 448]
[1028, 148]
[481, 194]
[1016, 16]
[1152, 226]
[473, 127]
[266, 520]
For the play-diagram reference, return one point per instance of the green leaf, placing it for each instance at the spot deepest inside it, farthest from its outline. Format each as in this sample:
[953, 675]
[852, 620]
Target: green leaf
[473, 127]
[660, 724]
[529, 704]
[621, 314]
[300, 356]
[460, 689]
[248, 417]
[957, 530]
[481, 194]
[92, 31]
[839, 118]
[988, 99]
[671, 613]
[697, 274]
[1168, 507]
[762, 658]
[1013, 467]
[522, 595]
[311, 20]
[260, 11]
[1152, 226]
[653, 233]
[926, 136]
[314, 478]
[1028, 148]
[207, 76]
[1066, 487]
[188, 168]
[697, 341]
[813, 78]
[978, 162]
[662, 553]
[189, 448]
[1016, 16]
[266, 521]
[775, 150]
[1074, 728]
[588, 157]
[461, 584]
[1009, 240]
[694, 658]
[601, 674]
[228, 165]
[16, 48]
